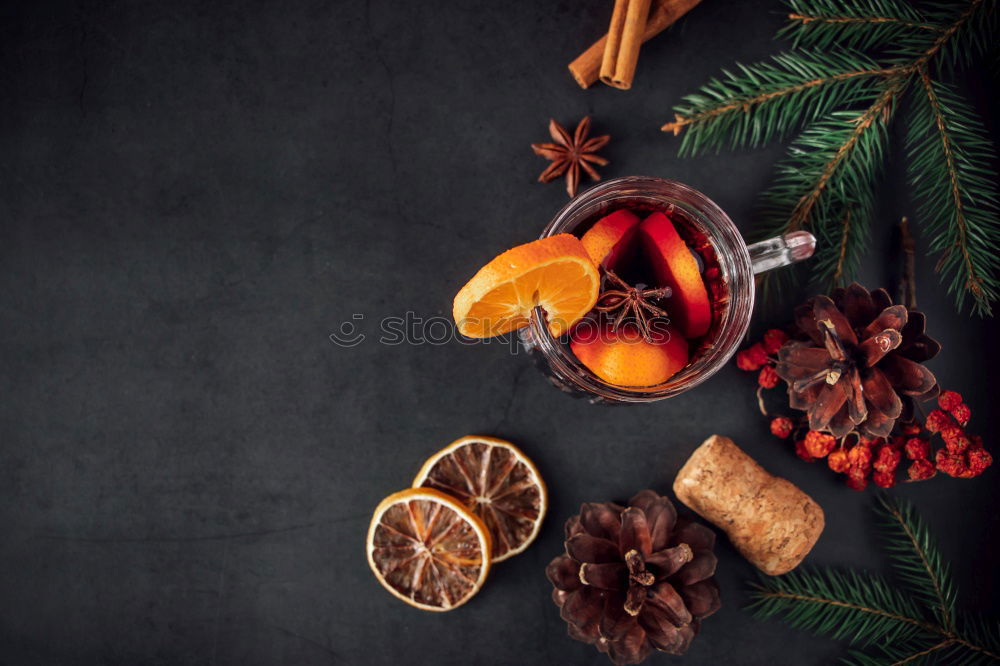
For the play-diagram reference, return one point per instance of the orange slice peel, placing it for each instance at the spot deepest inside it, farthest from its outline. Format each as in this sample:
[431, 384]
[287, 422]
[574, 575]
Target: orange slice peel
[555, 273]
[624, 358]
[497, 483]
[428, 549]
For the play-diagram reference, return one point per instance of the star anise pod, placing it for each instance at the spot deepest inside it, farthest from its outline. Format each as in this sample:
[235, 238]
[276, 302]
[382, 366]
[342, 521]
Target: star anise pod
[860, 366]
[631, 301]
[570, 154]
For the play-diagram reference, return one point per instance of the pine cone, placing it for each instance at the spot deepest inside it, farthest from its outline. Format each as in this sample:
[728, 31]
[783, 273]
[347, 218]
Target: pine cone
[858, 364]
[635, 578]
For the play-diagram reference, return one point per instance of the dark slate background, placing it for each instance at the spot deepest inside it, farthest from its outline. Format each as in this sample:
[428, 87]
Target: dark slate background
[194, 196]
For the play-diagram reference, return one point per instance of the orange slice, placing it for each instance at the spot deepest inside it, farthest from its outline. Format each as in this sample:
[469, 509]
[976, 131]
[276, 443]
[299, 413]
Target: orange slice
[555, 273]
[674, 266]
[428, 549]
[610, 238]
[624, 358]
[497, 482]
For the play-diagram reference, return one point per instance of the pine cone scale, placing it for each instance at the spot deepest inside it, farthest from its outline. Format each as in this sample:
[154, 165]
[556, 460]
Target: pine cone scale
[616, 623]
[876, 347]
[671, 560]
[564, 573]
[701, 567]
[635, 532]
[859, 307]
[587, 548]
[661, 516]
[701, 597]
[825, 310]
[665, 599]
[601, 520]
[880, 394]
[909, 377]
[830, 400]
[893, 317]
[607, 576]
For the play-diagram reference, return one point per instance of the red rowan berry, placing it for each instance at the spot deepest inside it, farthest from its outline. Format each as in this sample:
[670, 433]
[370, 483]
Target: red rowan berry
[962, 413]
[773, 340]
[857, 483]
[767, 378]
[887, 460]
[758, 353]
[801, 452]
[917, 449]
[950, 463]
[781, 427]
[937, 420]
[955, 439]
[949, 400]
[884, 479]
[979, 459]
[751, 358]
[819, 444]
[859, 457]
[837, 460]
[921, 470]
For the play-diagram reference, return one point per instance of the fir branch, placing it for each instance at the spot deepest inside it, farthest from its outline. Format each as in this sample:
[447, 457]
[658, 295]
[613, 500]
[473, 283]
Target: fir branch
[765, 101]
[845, 239]
[951, 158]
[827, 184]
[840, 162]
[978, 634]
[923, 653]
[867, 610]
[969, 32]
[949, 171]
[860, 607]
[860, 24]
[917, 560]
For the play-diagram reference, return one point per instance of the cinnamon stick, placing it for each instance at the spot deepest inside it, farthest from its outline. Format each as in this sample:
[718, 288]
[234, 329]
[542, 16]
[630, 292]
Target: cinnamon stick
[621, 53]
[586, 69]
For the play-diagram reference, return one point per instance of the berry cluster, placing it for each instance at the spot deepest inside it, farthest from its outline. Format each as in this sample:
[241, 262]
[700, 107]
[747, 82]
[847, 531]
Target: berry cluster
[759, 356]
[862, 458]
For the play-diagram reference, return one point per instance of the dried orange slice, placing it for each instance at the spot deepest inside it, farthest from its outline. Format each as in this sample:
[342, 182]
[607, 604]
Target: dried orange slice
[428, 549]
[496, 482]
[555, 273]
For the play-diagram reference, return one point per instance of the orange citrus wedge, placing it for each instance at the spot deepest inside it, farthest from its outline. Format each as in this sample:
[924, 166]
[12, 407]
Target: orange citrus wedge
[495, 481]
[428, 549]
[624, 358]
[555, 273]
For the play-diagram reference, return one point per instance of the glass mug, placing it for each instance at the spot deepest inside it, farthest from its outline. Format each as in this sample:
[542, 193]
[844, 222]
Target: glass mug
[738, 264]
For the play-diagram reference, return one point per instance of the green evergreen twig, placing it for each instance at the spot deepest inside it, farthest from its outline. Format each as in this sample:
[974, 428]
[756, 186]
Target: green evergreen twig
[842, 99]
[911, 623]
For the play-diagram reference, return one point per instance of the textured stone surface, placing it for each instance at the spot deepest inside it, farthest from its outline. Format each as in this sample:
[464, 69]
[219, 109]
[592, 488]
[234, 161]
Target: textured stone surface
[770, 521]
[195, 195]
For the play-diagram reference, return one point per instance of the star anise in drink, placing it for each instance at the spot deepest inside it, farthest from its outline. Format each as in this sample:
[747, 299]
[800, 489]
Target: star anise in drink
[570, 154]
[631, 302]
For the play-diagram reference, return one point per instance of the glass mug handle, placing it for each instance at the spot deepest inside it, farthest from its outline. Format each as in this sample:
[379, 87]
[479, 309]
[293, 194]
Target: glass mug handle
[781, 251]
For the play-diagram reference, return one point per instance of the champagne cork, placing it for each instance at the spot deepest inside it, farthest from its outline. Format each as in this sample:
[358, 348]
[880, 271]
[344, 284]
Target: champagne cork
[769, 520]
